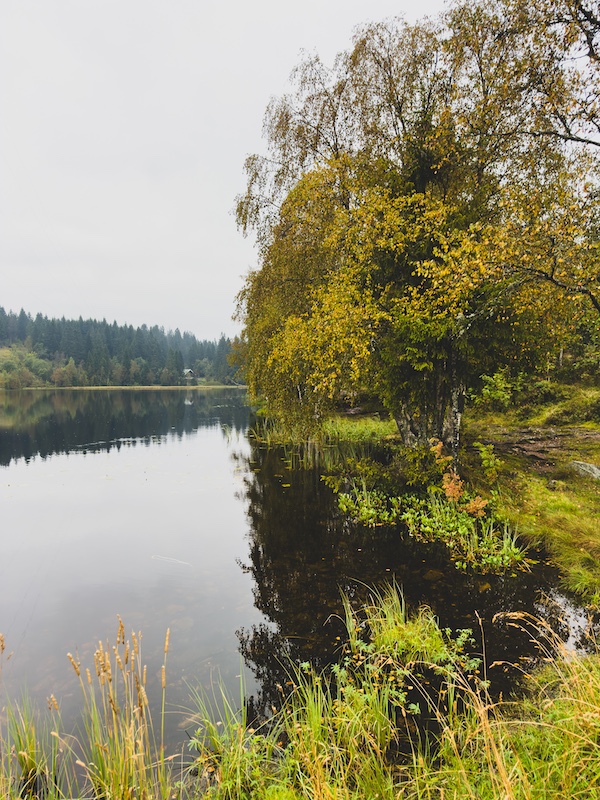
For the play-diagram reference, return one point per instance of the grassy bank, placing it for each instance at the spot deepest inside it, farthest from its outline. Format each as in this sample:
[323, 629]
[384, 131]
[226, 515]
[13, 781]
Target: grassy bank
[517, 458]
[405, 714]
[539, 489]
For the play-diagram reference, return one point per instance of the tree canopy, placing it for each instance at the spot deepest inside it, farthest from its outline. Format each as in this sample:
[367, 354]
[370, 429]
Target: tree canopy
[425, 213]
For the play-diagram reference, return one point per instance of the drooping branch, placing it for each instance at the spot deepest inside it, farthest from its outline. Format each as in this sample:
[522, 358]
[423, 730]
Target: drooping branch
[572, 289]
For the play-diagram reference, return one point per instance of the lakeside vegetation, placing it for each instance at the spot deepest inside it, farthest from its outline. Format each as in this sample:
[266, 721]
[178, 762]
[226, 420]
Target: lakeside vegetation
[407, 712]
[429, 232]
[517, 488]
[426, 210]
[37, 351]
[427, 217]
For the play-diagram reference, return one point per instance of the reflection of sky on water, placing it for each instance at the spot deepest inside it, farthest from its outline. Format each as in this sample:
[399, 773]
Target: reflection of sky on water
[88, 536]
[164, 514]
[41, 423]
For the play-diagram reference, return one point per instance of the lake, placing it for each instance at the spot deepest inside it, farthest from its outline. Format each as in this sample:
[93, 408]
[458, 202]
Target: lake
[122, 503]
[157, 507]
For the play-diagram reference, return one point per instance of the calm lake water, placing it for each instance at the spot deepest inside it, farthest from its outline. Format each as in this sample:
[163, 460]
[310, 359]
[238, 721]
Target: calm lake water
[130, 504]
[155, 506]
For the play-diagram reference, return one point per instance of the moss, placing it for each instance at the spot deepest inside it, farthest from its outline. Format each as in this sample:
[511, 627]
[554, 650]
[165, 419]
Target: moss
[539, 491]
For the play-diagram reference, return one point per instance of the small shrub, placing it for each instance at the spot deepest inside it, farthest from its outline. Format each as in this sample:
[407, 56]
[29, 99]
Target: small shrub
[489, 461]
[541, 393]
[497, 391]
[453, 485]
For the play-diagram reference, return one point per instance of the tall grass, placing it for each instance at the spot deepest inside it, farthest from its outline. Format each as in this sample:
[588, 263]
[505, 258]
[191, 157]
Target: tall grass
[352, 732]
[118, 754]
[32, 763]
[123, 756]
[338, 439]
[234, 759]
[405, 714]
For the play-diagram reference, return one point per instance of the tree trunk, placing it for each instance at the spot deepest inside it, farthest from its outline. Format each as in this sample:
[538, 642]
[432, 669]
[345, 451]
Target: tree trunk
[406, 427]
[457, 401]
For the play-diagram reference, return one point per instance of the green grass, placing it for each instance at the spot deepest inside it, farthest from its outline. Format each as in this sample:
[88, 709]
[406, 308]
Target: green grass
[360, 429]
[233, 758]
[337, 429]
[35, 768]
[341, 438]
[353, 732]
[563, 516]
[537, 489]
[405, 714]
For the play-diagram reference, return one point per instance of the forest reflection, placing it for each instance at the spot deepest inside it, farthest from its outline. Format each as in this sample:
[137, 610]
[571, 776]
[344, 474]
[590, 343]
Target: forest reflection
[45, 422]
[298, 552]
[303, 556]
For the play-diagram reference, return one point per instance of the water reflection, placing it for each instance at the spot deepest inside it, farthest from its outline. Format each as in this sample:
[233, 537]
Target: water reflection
[303, 556]
[131, 510]
[206, 534]
[46, 422]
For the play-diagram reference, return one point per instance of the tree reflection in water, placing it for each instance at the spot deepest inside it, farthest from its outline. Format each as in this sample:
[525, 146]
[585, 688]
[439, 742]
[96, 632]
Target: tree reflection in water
[44, 422]
[303, 556]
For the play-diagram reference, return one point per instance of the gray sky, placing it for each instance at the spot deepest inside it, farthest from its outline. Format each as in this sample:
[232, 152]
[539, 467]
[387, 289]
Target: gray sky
[124, 125]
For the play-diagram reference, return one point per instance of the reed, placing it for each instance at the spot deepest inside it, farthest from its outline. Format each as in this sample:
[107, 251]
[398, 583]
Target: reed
[404, 714]
[117, 755]
[122, 756]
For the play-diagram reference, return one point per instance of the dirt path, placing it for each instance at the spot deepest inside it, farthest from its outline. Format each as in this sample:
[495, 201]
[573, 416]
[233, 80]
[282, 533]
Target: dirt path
[546, 448]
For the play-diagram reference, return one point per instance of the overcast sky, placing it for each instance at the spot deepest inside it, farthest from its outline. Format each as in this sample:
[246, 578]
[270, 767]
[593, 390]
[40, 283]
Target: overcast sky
[124, 125]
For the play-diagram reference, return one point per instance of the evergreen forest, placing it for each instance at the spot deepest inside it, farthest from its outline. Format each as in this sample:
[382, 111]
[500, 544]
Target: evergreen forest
[38, 351]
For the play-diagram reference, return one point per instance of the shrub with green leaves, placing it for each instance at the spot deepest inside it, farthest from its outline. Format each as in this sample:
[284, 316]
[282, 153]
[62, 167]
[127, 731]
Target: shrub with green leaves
[497, 391]
[480, 543]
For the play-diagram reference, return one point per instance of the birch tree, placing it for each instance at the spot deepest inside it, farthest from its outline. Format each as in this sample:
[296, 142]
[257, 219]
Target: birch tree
[394, 225]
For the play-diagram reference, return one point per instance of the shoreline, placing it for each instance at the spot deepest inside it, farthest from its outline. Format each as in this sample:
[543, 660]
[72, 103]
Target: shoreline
[125, 388]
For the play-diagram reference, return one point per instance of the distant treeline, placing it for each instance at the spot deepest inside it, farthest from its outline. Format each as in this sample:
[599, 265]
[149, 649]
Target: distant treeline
[37, 351]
